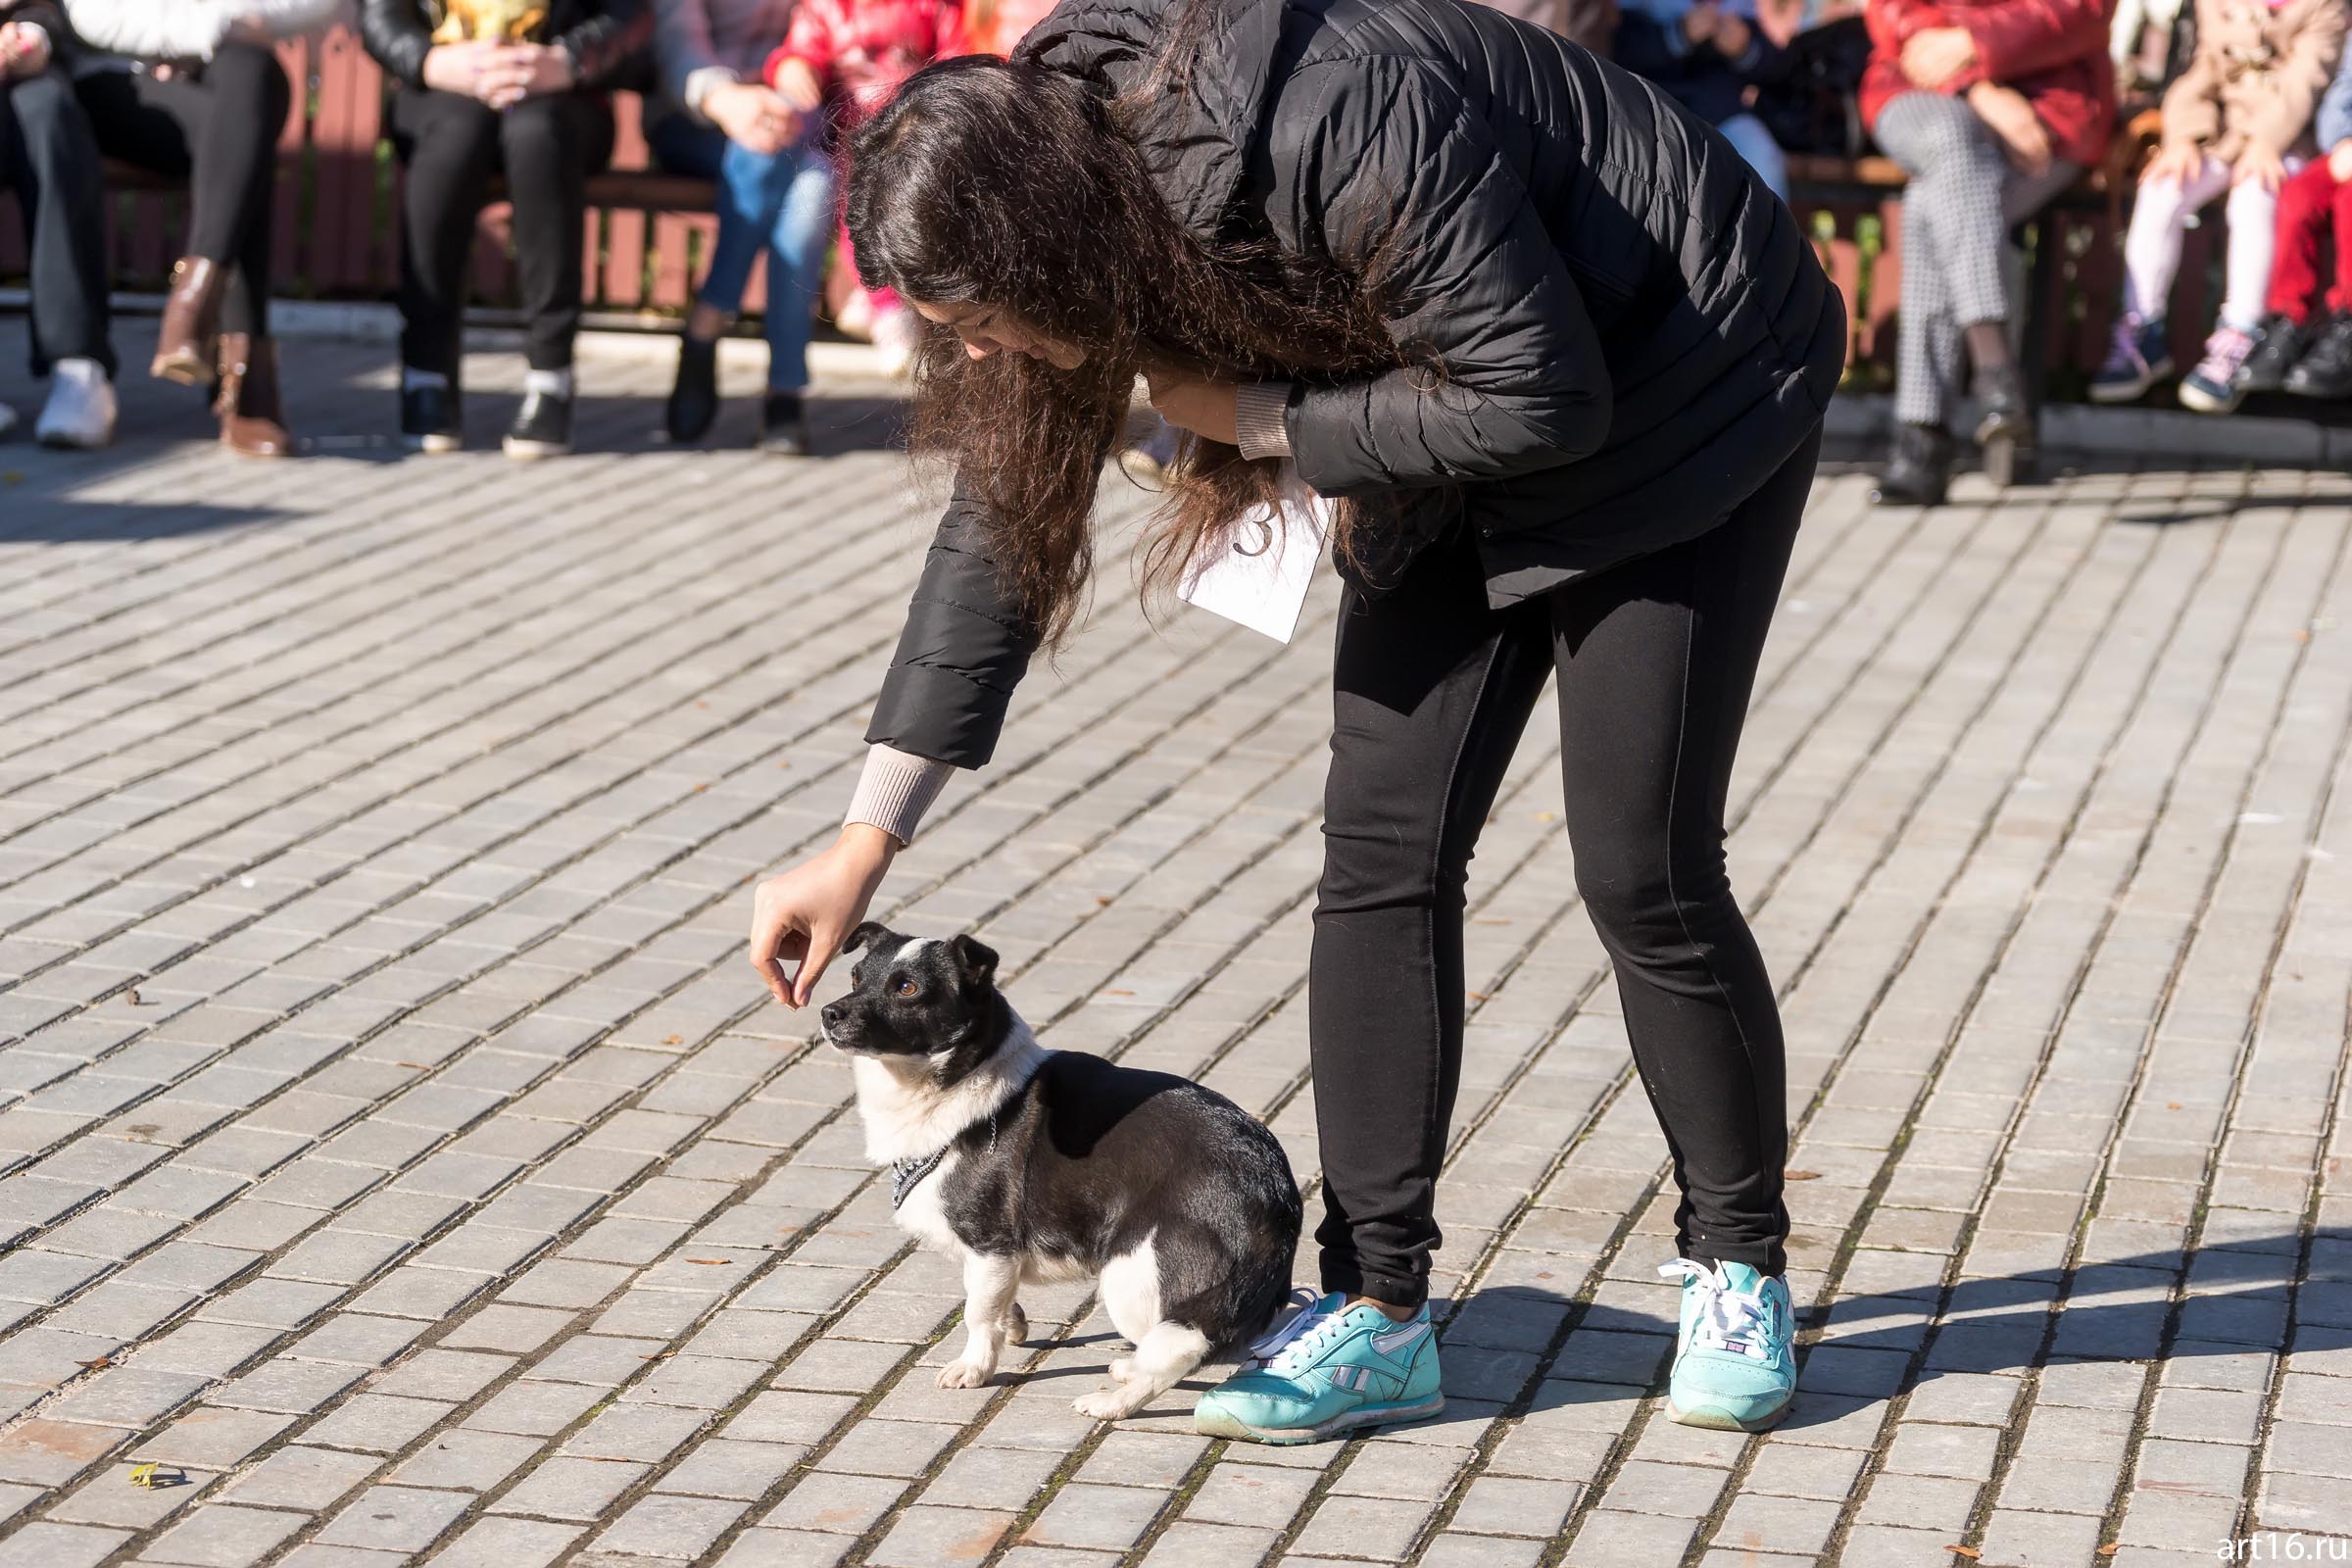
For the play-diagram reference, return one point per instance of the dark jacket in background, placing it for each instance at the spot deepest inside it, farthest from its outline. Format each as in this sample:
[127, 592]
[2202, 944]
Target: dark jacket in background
[606, 38]
[1699, 77]
[1634, 330]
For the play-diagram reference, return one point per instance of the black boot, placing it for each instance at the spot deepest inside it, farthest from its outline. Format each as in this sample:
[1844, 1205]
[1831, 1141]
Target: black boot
[784, 425]
[694, 400]
[2282, 344]
[2326, 369]
[1919, 470]
[2006, 436]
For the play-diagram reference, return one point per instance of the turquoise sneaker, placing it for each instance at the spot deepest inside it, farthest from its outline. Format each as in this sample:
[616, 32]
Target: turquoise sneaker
[1325, 1370]
[1734, 1364]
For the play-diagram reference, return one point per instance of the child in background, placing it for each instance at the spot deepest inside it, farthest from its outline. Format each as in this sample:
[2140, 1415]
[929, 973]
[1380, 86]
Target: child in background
[2235, 120]
[848, 57]
[2304, 351]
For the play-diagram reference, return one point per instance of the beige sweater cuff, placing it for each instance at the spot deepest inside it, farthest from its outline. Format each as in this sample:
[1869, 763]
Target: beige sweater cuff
[1257, 408]
[896, 788]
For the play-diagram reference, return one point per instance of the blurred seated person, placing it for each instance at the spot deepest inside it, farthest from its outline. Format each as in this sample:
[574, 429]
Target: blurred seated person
[714, 119]
[193, 90]
[49, 158]
[481, 90]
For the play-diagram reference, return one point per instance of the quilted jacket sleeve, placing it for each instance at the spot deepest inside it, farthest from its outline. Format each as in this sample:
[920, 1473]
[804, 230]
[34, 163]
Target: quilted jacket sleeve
[606, 43]
[1891, 22]
[965, 647]
[2024, 37]
[397, 38]
[809, 41]
[1394, 169]
[151, 30]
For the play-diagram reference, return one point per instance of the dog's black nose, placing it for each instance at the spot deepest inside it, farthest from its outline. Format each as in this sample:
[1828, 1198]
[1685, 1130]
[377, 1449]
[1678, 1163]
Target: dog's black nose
[831, 1014]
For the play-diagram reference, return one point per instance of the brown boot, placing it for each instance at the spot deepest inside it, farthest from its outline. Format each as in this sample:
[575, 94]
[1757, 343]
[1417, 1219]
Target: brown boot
[191, 324]
[253, 421]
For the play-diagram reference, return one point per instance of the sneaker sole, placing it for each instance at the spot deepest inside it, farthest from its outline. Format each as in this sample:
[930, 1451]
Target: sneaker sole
[1714, 1420]
[1217, 1424]
[2196, 398]
[2130, 391]
[532, 450]
[434, 446]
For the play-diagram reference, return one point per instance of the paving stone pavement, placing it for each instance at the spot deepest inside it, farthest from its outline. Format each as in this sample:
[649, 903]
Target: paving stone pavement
[395, 1142]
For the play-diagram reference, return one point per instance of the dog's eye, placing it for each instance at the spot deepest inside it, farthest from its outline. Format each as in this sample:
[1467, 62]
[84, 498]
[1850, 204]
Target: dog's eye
[906, 988]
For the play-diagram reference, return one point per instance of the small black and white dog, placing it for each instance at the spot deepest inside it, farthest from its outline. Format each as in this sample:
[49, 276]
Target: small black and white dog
[1033, 1165]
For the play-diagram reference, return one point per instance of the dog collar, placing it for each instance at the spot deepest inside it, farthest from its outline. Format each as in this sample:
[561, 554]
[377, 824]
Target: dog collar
[906, 1175]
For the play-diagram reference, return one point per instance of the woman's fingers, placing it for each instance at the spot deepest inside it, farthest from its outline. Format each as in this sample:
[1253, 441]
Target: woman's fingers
[822, 945]
[778, 935]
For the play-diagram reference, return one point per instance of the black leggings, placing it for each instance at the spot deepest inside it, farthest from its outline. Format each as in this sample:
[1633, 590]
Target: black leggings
[451, 145]
[1656, 661]
[217, 129]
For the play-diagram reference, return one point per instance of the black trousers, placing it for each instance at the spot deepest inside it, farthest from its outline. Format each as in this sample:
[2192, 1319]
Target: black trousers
[1656, 661]
[217, 128]
[451, 145]
[49, 156]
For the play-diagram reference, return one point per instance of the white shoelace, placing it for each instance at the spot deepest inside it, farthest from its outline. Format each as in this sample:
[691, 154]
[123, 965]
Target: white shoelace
[1297, 1339]
[1727, 1319]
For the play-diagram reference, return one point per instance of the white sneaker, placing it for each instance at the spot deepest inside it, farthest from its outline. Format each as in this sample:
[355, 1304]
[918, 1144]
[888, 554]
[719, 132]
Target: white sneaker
[80, 412]
[8, 419]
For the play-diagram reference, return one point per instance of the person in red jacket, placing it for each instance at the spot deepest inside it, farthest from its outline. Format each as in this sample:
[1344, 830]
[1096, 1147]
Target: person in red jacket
[849, 57]
[1993, 106]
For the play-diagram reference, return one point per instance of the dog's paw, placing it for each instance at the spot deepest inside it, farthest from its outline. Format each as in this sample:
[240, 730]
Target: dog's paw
[1017, 1324]
[963, 1375]
[1103, 1404]
[1123, 1369]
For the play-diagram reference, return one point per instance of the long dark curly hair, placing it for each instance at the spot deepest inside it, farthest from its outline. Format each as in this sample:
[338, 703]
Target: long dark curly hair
[1007, 184]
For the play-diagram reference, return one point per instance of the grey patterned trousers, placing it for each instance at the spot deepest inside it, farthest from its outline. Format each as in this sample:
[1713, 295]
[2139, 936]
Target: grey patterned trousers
[1963, 197]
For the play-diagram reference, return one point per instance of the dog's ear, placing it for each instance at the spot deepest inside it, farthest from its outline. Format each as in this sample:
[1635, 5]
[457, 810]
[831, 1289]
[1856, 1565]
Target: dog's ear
[866, 932]
[979, 960]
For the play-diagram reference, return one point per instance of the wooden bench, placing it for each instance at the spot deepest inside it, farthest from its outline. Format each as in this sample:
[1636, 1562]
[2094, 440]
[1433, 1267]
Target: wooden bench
[2075, 269]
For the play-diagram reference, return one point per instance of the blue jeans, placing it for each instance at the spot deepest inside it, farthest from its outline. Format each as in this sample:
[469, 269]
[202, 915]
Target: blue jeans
[1755, 144]
[783, 203]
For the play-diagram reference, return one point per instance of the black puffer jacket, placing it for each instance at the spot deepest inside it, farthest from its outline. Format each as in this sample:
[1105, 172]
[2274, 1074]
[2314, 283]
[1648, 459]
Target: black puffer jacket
[1635, 332]
[606, 38]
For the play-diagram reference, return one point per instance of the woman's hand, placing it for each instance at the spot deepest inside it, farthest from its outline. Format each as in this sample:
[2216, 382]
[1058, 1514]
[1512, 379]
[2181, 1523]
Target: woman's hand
[2339, 162]
[801, 915]
[1732, 36]
[2176, 165]
[1934, 56]
[1702, 22]
[1189, 403]
[457, 66]
[2008, 113]
[519, 70]
[2259, 165]
[752, 116]
[24, 50]
[800, 86]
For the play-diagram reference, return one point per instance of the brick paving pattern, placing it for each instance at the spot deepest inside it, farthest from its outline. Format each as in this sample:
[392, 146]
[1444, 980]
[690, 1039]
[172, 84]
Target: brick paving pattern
[395, 1142]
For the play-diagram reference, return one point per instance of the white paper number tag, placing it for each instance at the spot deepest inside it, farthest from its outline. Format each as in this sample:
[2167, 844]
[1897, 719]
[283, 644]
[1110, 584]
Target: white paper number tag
[1261, 577]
